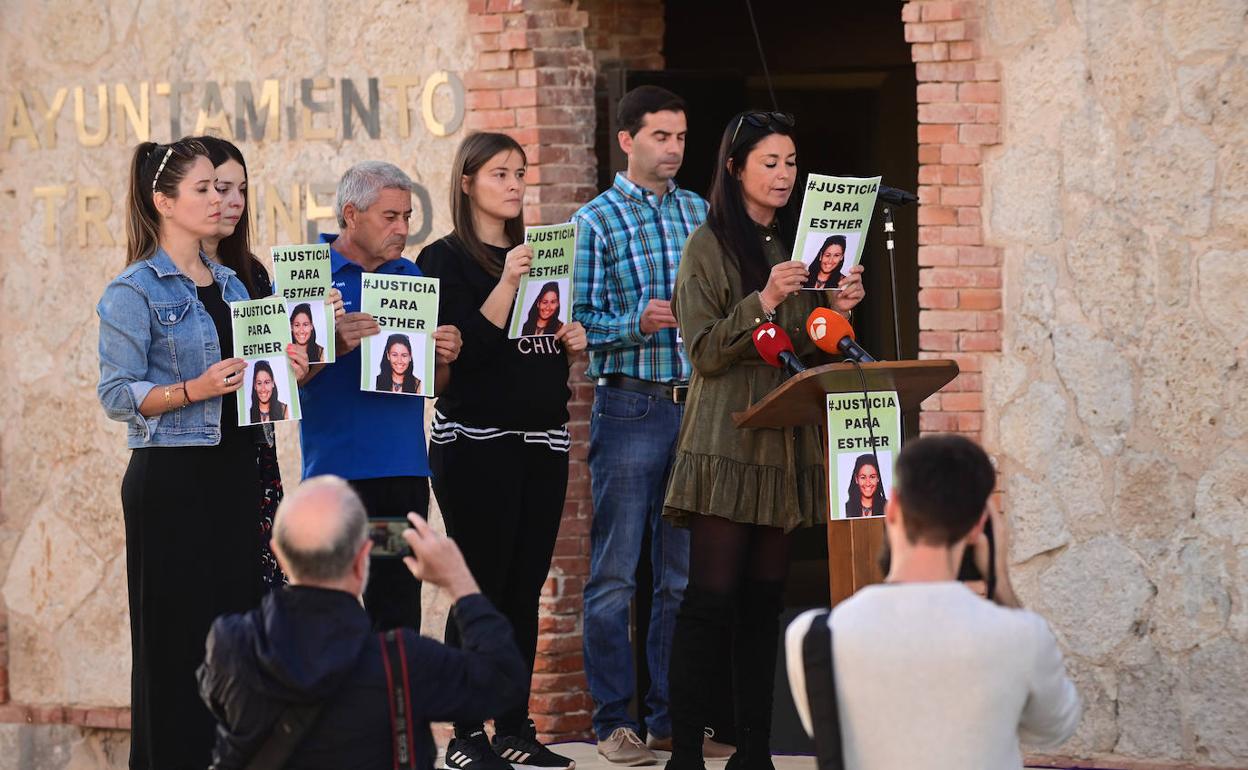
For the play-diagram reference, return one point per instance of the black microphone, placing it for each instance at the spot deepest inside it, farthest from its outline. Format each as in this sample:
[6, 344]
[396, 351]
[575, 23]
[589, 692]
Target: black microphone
[775, 347]
[896, 197]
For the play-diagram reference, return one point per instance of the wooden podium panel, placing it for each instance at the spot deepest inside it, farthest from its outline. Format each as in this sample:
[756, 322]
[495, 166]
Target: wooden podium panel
[853, 545]
[801, 399]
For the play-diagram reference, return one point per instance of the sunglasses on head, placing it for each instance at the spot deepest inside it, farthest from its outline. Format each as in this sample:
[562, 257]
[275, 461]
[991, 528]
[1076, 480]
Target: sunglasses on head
[763, 120]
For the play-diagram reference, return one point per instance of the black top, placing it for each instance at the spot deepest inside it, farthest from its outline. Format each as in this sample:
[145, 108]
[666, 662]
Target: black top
[496, 382]
[217, 308]
[315, 645]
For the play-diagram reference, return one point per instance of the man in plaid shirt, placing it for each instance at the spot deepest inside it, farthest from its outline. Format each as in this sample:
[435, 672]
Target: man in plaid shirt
[629, 241]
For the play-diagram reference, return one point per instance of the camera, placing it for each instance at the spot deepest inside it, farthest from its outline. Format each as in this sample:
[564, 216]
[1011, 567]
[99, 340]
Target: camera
[967, 571]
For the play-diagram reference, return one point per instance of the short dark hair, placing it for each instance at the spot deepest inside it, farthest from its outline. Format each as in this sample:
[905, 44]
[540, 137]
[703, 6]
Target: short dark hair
[642, 101]
[942, 484]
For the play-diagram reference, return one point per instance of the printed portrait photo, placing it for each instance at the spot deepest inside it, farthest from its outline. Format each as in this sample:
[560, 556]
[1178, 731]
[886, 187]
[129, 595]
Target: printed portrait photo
[307, 328]
[546, 308]
[863, 487]
[399, 360]
[827, 256]
[267, 389]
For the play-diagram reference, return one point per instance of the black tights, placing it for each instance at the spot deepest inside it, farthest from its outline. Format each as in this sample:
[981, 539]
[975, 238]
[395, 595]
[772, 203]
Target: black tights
[724, 554]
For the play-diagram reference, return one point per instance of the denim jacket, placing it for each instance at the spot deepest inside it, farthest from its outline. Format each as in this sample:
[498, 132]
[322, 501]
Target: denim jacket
[154, 331]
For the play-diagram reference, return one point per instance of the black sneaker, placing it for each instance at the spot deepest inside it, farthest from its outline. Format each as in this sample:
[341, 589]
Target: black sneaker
[525, 753]
[473, 753]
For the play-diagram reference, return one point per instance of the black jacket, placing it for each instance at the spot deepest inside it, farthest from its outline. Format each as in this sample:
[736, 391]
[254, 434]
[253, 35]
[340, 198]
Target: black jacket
[305, 645]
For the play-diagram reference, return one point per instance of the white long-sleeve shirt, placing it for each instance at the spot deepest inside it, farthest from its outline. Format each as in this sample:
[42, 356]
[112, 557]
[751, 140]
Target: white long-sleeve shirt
[931, 675]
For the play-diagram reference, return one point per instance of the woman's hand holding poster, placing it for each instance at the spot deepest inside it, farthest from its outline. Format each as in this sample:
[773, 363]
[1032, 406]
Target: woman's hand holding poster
[400, 359]
[864, 437]
[832, 228]
[261, 334]
[303, 278]
[544, 298]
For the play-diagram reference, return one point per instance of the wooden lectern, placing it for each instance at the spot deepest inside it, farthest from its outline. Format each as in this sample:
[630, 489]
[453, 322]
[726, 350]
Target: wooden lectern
[853, 545]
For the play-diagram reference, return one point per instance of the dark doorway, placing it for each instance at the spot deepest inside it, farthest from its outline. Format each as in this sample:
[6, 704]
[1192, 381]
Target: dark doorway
[844, 70]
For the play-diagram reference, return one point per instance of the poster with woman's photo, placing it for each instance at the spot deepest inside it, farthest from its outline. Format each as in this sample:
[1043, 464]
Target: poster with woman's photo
[261, 333]
[832, 227]
[400, 359]
[303, 276]
[864, 437]
[544, 298]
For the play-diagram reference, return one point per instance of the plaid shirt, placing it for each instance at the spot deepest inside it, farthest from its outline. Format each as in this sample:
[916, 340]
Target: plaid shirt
[628, 245]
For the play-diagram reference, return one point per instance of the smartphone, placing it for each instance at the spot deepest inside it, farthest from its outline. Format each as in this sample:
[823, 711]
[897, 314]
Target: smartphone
[387, 537]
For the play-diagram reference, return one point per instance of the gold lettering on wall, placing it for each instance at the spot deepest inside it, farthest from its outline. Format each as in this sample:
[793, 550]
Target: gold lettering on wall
[140, 118]
[248, 111]
[212, 118]
[17, 124]
[308, 107]
[279, 216]
[49, 113]
[456, 86]
[50, 195]
[401, 83]
[94, 217]
[86, 138]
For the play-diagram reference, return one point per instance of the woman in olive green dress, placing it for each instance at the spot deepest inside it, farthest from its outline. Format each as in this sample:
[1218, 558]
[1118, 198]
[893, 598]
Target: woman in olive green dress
[741, 491]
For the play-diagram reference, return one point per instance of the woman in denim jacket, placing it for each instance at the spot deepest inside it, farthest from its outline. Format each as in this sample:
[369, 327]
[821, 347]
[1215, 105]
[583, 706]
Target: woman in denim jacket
[192, 487]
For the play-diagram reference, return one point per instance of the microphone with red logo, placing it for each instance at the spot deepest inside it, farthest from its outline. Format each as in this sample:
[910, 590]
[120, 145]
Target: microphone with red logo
[776, 348]
[831, 333]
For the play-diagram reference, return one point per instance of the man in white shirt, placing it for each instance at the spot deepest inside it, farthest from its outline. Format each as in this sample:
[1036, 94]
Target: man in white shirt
[928, 673]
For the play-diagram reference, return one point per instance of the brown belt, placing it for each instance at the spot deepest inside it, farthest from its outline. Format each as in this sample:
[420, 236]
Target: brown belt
[661, 390]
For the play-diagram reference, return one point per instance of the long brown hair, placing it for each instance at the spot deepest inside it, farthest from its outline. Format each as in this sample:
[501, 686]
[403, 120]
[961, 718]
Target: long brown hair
[234, 250]
[167, 164]
[473, 153]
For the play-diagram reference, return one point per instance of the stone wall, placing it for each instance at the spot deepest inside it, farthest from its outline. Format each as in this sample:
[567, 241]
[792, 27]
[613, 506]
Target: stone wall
[1118, 407]
[64, 642]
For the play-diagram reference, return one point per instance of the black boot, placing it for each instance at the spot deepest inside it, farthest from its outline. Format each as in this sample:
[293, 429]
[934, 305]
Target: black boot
[755, 640]
[703, 622]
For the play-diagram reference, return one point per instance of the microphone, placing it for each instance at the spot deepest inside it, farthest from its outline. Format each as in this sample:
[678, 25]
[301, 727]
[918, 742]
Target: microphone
[776, 348]
[896, 197]
[831, 333]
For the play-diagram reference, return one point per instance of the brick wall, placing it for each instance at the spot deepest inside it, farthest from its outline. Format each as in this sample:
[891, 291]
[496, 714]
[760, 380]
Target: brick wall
[959, 109]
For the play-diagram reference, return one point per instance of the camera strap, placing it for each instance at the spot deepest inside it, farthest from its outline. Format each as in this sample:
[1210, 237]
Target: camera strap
[394, 658]
[820, 671]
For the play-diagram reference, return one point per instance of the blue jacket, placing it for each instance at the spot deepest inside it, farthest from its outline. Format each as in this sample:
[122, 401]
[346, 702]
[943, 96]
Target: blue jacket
[154, 331]
[307, 645]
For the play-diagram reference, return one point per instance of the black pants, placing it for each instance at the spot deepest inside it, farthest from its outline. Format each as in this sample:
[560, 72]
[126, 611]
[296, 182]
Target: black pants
[502, 500]
[392, 596]
[191, 516]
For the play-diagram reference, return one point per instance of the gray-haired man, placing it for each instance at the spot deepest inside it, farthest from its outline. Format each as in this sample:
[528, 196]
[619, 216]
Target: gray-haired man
[375, 441]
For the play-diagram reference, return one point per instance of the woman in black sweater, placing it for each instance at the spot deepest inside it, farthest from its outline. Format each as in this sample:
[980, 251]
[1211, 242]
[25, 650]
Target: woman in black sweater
[499, 442]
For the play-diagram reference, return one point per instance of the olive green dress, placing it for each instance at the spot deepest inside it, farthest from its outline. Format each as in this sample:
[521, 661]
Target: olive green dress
[767, 476]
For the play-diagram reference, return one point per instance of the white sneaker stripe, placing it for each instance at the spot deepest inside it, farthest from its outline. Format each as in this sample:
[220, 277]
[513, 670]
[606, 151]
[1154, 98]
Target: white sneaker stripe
[525, 757]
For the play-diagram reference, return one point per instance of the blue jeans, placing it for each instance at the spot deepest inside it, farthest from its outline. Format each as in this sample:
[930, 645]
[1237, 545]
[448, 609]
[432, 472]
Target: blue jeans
[632, 438]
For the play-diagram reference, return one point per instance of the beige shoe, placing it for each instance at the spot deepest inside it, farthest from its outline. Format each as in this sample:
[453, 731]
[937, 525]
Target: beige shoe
[623, 747]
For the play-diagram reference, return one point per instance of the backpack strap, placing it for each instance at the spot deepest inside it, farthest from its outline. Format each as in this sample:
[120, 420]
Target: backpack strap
[821, 693]
[394, 658]
[291, 725]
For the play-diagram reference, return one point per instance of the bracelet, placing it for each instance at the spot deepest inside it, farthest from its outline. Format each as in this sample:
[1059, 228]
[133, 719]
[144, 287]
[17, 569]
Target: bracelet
[186, 396]
[168, 397]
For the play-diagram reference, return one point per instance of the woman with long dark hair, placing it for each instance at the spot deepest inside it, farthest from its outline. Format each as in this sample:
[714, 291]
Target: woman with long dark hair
[866, 489]
[266, 405]
[543, 316]
[394, 373]
[825, 268]
[303, 333]
[499, 442]
[740, 491]
[230, 245]
[192, 486]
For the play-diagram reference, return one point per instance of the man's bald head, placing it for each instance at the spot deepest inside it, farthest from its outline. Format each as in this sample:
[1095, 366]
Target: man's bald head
[319, 529]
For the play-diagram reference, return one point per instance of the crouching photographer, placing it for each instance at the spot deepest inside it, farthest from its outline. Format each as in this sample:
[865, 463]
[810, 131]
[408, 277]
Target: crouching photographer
[921, 671]
[303, 682]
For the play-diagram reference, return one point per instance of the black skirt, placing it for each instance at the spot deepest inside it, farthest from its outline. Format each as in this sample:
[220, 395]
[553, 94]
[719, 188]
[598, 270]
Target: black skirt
[191, 556]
